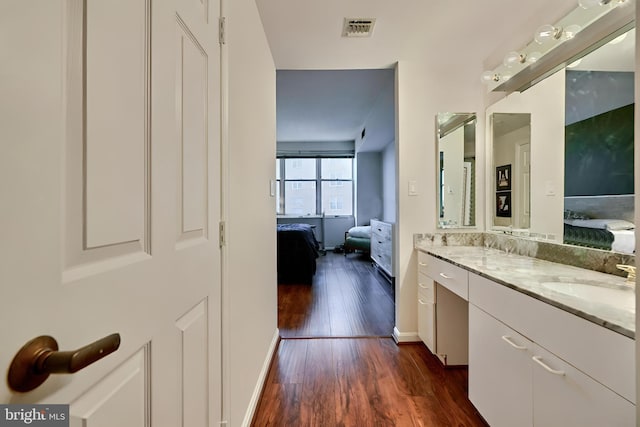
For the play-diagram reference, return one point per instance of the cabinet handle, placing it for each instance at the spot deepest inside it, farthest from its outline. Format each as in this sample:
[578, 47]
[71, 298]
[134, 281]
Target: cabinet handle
[512, 344]
[444, 276]
[422, 285]
[422, 264]
[539, 361]
[422, 302]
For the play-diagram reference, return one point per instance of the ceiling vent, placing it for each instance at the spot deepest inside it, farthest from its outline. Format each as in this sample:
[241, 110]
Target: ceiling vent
[358, 27]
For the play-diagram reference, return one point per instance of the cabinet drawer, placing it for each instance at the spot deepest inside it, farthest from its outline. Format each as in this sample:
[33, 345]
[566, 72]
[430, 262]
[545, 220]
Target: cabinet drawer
[381, 230]
[452, 277]
[426, 288]
[564, 396]
[611, 362]
[423, 262]
[427, 323]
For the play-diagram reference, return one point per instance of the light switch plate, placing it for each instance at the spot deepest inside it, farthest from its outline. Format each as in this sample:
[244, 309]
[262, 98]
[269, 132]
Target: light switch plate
[413, 188]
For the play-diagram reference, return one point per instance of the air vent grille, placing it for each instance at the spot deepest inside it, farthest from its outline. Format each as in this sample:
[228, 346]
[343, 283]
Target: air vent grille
[358, 27]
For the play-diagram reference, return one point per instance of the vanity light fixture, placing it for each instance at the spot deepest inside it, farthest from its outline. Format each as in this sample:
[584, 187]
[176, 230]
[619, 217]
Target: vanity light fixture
[558, 44]
[512, 58]
[533, 57]
[547, 33]
[588, 4]
[489, 77]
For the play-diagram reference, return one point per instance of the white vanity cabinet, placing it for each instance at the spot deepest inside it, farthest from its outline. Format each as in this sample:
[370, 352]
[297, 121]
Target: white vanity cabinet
[426, 304]
[533, 364]
[500, 380]
[443, 309]
[382, 245]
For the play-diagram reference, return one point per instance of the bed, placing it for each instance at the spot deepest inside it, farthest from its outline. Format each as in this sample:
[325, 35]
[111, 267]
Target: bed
[617, 235]
[297, 251]
[358, 238]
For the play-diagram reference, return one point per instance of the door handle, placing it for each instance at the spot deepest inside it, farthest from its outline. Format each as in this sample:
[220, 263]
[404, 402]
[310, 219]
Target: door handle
[40, 357]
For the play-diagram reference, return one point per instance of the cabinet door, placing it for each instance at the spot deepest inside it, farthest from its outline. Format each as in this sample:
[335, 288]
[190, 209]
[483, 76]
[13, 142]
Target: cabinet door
[564, 396]
[427, 323]
[500, 383]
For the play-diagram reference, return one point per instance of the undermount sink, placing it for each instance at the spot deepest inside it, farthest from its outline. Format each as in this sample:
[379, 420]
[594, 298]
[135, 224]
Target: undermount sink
[620, 298]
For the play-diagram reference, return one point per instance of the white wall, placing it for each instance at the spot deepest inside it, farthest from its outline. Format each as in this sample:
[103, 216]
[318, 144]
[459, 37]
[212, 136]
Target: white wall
[250, 290]
[422, 91]
[389, 183]
[369, 187]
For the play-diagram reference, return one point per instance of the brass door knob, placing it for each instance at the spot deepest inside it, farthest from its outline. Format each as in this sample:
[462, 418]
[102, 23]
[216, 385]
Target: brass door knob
[40, 357]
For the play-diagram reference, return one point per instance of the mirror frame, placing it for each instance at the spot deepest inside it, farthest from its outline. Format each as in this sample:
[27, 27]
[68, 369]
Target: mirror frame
[461, 119]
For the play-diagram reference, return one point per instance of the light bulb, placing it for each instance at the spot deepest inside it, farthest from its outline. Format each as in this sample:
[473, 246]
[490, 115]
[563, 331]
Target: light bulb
[588, 4]
[533, 57]
[489, 77]
[513, 58]
[546, 33]
[571, 31]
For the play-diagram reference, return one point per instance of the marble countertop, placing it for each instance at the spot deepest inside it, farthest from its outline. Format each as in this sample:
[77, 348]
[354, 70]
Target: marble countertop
[536, 278]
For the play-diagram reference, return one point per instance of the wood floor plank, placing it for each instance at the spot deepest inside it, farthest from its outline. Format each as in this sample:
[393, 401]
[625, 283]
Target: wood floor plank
[348, 298]
[365, 382]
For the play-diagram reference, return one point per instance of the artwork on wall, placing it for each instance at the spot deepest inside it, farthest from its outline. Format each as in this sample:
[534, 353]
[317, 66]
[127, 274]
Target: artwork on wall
[503, 178]
[503, 204]
[503, 191]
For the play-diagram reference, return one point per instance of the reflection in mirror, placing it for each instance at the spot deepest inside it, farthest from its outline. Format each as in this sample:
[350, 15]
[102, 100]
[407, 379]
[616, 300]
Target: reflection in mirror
[511, 135]
[456, 168]
[599, 170]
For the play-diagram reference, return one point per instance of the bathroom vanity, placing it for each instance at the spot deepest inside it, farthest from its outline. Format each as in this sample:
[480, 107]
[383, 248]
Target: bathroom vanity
[547, 344]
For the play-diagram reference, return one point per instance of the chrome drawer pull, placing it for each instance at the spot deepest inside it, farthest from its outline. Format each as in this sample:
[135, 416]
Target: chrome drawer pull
[444, 276]
[512, 344]
[539, 361]
[422, 264]
[422, 302]
[422, 285]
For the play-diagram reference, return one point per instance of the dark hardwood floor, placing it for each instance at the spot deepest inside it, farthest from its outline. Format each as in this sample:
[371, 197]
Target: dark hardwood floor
[348, 298]
[336, 364]
[362, 382]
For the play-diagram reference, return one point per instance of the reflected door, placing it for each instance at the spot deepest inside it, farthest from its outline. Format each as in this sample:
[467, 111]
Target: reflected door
[523, 178]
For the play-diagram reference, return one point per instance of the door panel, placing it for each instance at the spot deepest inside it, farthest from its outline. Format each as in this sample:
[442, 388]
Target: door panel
[92, 206]
[192, 103]
[194, 355]
[122, 398]
[116, 74]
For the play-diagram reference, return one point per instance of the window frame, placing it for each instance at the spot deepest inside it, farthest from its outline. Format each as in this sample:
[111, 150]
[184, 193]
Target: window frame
[281, 183]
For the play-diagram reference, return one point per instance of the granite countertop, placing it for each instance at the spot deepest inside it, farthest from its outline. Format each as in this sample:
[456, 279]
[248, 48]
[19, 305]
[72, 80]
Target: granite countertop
[527, 275]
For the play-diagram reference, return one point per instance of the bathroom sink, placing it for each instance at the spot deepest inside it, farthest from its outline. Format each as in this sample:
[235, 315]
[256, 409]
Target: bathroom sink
[621, 298]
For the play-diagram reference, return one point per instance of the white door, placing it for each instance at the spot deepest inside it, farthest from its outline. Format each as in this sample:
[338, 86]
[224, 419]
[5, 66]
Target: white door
[109, 195]
[523, 182]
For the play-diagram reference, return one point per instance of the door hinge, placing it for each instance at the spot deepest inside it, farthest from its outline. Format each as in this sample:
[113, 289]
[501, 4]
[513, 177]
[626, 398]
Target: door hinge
[222, 239]
[221, 30]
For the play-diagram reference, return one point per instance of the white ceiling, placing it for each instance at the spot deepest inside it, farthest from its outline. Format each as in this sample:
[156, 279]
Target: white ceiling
[333, 105]
[306, 35]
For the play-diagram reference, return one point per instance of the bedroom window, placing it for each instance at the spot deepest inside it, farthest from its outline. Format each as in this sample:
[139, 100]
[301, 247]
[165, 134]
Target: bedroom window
[311, 186]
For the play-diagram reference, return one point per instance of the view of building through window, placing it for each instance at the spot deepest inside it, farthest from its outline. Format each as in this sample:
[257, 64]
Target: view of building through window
[307, 186]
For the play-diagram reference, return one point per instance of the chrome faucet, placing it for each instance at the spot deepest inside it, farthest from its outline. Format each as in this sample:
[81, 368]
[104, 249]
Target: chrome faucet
[631, 273]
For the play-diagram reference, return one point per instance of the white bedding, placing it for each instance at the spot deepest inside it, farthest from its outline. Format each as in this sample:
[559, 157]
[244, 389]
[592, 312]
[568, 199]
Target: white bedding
[363, 231]
[625, 241]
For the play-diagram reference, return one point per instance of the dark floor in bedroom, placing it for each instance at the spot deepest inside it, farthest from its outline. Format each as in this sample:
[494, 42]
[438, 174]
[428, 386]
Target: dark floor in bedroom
[348, 298]
[337, 365]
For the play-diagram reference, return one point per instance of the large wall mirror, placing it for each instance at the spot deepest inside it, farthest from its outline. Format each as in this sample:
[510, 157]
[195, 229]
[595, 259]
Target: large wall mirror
[456, 170]
[580, 162]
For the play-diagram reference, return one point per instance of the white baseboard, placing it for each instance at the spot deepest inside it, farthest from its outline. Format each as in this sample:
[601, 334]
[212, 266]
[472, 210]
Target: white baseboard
[255, 397]
[401, 337]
